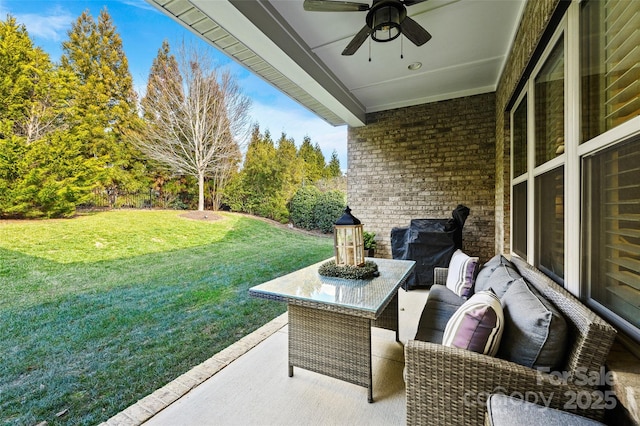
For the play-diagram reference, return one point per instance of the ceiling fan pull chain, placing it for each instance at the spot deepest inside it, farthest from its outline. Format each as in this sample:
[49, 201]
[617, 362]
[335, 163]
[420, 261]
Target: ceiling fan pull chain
[369, 50]
[401, 47]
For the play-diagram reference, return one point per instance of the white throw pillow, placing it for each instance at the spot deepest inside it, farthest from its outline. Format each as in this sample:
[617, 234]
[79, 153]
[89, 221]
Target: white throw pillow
[477, 325]
[461, 275]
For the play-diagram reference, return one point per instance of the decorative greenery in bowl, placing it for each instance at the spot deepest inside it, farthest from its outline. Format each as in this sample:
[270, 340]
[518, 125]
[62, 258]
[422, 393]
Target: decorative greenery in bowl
[367, 271]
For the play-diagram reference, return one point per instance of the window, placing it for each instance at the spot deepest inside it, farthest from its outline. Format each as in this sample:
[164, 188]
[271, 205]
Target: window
[520, 139]
[610, 97]
[539, 169]
[575, 184]
[520, 219]
[550, 223]
[549, 107]
[611, 233]
[610, 64]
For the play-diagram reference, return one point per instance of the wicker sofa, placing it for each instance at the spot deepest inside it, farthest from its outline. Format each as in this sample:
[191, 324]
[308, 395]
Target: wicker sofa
[450, 386]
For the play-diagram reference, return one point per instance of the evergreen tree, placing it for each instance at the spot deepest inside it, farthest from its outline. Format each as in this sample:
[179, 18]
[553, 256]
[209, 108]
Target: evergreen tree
[41, 171]
[17, 67]
[261, 176]
[333, 168]
[320, 163]
[291, 168]
[268, 177]
[164, 82]
[55, 178]
[12, 150]
[104, 101]
[312, 169]
[17, 60]
[34, 93]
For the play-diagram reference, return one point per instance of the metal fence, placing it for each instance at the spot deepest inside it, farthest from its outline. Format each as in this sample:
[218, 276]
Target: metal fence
[148, 199]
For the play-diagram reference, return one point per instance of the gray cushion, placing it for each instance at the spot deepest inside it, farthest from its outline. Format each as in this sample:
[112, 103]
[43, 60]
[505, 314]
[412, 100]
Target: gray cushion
[482, 280]
[535, 332]
[442, 303]
[500, 279]
[505, 410]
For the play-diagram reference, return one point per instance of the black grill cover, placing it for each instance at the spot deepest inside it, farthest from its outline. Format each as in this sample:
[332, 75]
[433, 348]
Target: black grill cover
[430, 242]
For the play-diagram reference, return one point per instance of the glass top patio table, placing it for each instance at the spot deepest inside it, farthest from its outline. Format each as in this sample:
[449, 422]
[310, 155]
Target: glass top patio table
[363, 298]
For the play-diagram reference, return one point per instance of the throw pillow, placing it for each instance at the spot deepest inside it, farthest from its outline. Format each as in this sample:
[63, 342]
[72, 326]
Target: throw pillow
[535, 332]
[482, 278]
[461, 274]
[501, 278]
[441, 304]
[477, 325]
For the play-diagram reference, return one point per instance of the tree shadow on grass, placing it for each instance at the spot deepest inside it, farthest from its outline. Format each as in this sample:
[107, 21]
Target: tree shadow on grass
[90, 339]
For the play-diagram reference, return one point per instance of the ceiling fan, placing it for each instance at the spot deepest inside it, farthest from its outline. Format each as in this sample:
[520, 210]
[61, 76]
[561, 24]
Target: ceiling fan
[385, 20]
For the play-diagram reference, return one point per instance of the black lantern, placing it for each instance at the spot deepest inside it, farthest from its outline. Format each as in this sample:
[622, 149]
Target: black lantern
[349, 240]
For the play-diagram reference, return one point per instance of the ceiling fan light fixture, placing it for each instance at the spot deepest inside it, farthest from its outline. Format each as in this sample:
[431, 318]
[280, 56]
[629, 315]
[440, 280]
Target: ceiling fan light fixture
[386, 23]
[386, 20]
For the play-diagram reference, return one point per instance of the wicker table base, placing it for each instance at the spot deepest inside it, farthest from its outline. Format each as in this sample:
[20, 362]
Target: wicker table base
[330, 319]
[336, 344]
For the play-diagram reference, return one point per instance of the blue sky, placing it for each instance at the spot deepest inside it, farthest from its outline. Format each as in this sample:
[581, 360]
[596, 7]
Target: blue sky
[142, 29]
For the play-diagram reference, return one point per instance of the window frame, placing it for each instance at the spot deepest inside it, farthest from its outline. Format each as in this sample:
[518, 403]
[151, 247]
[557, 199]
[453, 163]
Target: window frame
[608, 139]
[575, 153]
[528, 94]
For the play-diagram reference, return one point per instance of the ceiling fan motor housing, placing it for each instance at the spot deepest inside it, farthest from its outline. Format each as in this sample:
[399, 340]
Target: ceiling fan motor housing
[385, 18]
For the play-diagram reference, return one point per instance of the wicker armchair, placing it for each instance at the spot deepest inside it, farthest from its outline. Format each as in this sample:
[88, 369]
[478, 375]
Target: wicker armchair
[450, 386]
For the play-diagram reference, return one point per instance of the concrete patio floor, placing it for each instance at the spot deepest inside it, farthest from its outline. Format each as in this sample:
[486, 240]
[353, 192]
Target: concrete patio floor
[248, 384]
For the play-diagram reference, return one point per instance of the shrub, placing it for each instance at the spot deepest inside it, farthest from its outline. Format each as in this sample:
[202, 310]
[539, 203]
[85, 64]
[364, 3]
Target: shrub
[329, 208]
[369, 240]
[302, 207]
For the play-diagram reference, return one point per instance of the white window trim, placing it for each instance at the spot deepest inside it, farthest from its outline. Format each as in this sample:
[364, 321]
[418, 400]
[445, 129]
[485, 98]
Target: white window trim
[573, 190]
[532, 170]
[523, 177]
[575, 153]
[621, 133]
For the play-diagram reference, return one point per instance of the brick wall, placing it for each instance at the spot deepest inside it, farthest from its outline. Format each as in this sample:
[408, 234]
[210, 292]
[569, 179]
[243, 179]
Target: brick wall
[421, 162]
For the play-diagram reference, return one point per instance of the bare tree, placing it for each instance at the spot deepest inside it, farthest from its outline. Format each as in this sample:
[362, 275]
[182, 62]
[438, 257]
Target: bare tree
[196, 117]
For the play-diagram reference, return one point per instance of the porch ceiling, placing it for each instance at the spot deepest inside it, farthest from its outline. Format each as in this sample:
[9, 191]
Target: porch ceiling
[299, 52]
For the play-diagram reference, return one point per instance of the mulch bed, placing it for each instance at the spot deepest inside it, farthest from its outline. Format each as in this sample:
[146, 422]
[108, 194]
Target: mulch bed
[208, 216]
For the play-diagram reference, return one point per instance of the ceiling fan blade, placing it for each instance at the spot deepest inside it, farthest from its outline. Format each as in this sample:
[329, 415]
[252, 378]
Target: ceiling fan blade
[334, 6]
[357, 41]
[414, 32]
[412, 2]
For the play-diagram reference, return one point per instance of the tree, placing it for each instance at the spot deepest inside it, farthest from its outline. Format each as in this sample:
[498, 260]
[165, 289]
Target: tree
[291, 168]
[17, 59]
[320, 163]
[41, 170]
[104, 101]
[196, 117]
[312, 169]
[12, 150]
[34, 93]
[333, 168]
[261, 179]
[55, 177]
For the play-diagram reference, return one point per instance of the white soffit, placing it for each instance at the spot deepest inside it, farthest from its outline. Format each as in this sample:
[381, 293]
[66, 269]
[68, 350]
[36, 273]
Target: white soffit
[299, 52]
[237, 36]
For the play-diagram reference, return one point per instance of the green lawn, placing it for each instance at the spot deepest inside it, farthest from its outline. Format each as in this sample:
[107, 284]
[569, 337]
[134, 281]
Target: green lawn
[98, 311]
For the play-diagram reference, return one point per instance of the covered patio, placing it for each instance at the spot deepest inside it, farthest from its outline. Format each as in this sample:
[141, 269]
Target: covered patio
[247, 384]
[509, 108]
